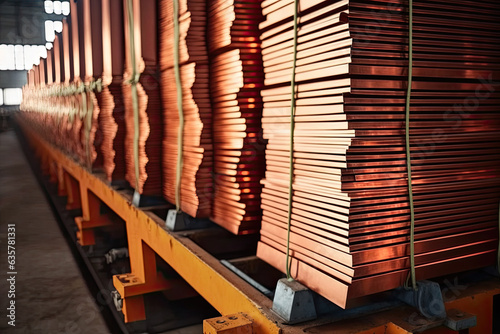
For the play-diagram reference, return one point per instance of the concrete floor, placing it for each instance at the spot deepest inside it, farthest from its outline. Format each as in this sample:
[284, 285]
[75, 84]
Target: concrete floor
[50, 294]
[51, 297]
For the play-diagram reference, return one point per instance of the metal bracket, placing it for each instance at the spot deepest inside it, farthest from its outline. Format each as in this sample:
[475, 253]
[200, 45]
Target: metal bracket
[91, 218]
[136, 199]
[427, 298]
[293, 302]
[230, 324]
[116, 253]
[117, 300]
[459, 321]
[179, 221]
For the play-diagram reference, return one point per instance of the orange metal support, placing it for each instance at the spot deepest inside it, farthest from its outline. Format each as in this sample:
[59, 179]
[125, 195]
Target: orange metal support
[52, 171]
[44, 158]
[230, 324]
[61, 188]
[144, 279]
[148, 237]
[73, 192]
[477, 300]
[91, 217]
[217, 284]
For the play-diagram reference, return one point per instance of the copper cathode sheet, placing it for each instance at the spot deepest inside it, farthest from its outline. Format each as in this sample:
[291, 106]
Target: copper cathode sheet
[350, 176]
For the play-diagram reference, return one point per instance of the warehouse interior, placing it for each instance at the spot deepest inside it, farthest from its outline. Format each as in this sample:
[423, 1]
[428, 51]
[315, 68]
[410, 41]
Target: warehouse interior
[250, 166]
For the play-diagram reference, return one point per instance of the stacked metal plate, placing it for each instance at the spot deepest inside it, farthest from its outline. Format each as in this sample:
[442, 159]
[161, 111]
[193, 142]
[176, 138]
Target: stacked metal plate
[74, 124]
[236, 78]
[350, 207]
[87, 121]
[196, 175]
[148, 99]
[150, 133]
[112, 125]
[112, 110]
[91, 34]
[66, 54]
[95, 135]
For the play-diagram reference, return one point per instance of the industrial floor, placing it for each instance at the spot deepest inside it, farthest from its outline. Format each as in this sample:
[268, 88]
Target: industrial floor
[50, 294]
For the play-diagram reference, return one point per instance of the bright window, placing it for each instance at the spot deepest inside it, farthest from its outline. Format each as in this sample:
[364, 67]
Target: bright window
[19, 54]
[58, 26]
[42, 51]
[1, 97]
[49, 7]
[8, 57]
[21, 57]
[49, 31]
[65, 8]
[12, 96]
[4, 56]
[30, 54]
[57, 7]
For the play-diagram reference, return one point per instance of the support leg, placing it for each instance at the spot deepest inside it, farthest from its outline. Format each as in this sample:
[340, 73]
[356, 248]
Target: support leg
[91, 217]
[73, 192]
[143, 279]
[53, 171]
[61, 189]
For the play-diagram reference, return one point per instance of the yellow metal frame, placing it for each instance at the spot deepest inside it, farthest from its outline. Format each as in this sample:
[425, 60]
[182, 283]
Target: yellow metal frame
[226, 292]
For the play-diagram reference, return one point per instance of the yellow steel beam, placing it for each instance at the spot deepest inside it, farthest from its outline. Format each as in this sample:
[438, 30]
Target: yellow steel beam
[230, 324]
[225, 291]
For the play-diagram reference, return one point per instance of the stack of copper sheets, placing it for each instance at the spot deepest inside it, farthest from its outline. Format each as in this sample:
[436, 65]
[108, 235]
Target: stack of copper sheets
[196, 177]
[85, 156]
[68, 143]
[148, 99]
[112, 109]
[98, 136]
[76, 131]
[236, 78]
[95, 134]
[65, 130]
[112, 125]
[151, 102]
[150, 133]
[350, 215]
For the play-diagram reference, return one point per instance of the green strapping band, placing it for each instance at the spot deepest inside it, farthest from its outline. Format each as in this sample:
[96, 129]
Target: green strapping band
[180, 133]
[133, 84]
[407, 139]
[88, 126]
[292, 132]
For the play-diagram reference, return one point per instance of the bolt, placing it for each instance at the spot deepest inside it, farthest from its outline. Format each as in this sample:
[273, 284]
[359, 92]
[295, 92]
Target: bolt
[459, 315]
[221, 321]
[233, 318]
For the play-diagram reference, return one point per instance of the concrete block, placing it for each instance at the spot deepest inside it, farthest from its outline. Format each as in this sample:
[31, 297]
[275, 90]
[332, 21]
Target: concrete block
[293, 302]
